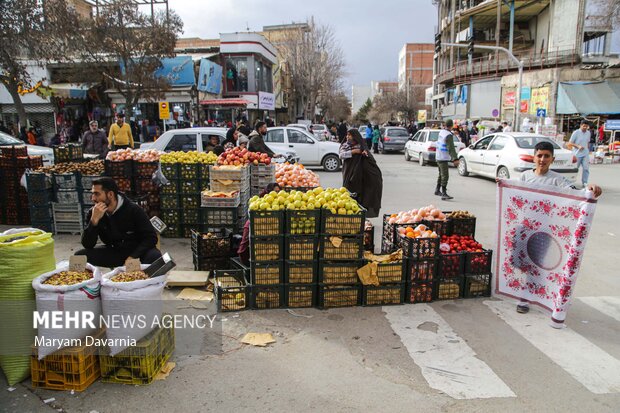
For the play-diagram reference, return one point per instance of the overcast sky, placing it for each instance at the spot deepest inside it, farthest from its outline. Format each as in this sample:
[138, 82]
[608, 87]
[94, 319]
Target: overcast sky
[370, 32]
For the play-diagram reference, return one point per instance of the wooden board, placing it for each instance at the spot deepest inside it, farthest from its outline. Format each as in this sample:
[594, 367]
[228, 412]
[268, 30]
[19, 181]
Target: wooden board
[186, 278]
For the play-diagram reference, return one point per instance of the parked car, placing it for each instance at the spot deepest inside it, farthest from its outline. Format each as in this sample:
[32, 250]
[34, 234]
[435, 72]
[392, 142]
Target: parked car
[310, 150]
[195, 139]
[362, 131]
[422, 146]
[507, 155]
[393, 138]
[34, 150]
[321, 132]
[301, 126]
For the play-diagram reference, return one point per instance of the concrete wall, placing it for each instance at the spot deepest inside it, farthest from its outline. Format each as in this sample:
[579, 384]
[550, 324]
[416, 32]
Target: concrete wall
[359, 95]
[566, 32]
[541, 34]
[484, 98]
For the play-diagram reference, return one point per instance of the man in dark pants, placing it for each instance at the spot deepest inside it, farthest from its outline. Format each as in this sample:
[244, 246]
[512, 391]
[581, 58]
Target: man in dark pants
[445, 153]
[342, 131]
[122, 226]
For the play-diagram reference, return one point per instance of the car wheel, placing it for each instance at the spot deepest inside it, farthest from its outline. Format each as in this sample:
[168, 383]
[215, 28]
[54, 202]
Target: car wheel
[407, 157]
[331, 163]
[421, 159]
[463, 167]
[502, 173]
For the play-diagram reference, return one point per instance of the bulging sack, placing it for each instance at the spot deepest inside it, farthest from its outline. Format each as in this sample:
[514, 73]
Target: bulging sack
[130, 308]
[76, 299]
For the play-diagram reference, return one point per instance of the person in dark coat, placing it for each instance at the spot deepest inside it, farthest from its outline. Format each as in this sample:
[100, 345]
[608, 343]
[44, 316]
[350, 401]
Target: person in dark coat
[360, 173]
[94, 140]
[257, 141]
[342, 131]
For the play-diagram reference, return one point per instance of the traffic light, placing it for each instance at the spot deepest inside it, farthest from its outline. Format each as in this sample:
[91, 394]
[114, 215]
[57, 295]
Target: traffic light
[437, 42]
[470, 45]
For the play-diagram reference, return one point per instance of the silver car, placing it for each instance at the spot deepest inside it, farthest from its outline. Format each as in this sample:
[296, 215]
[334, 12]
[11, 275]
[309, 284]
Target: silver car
[393, 139]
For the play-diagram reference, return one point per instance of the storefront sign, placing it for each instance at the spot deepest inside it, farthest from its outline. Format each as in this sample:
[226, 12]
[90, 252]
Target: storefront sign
[526, 93]
[524, 106]
[539, 99]
[210, 77]
[266, 101]
[612, 124]
[509, 99]
[422, 116]
[164, 110]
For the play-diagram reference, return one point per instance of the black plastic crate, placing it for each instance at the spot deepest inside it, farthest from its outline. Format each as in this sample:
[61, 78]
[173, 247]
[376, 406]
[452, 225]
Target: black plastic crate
[389, 235]
[171, 188]
[267, 297]
[145, 170]
[232, 291]
[41, 213]
[171, 216]
[300, 295]
[334, 296]
[236, 264]
[119, 169]
[266, 273]
[188, 228]
[190, 201]
[478, 262]
[306, 222]
[125, 185]
[440, 227]
[217, 217]
[169, 202]
[369, 239]
[68, 196]
[145, 186]
[172, 231]
[266, 223]
[40, 198]
[336, 224]
[339, 272]
[192, 186]
[477, 286]
[210, 264]
[392, 272]
[301, 247]
[422, 271]
[37, 181]
[463, 226]
[214, 243]
[170, 170]
[449, 288]
[300, 272]
[66, 181]
[189, 171]
[350, 248]
[87, 199]
[266, 248]
[385, 294]
[47, 226]
[86, 181]
[421, 292]
[191, 216]
[68, 153]
[419, 248]
[452, 265]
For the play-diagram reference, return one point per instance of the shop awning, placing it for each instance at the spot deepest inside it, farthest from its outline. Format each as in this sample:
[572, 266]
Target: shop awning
[588, 98]
[225, 102]
[70, 90]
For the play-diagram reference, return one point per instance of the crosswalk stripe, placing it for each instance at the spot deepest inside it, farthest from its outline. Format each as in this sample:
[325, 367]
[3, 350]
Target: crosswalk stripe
[585, 362]
[609, 306]
[447, 363]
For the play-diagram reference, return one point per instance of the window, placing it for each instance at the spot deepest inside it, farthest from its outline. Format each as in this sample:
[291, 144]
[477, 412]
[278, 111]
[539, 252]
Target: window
[417, 137]
[498, 144]
[298, 137]
[275, 136]
[206, 139]
[398, 133]
[528, 142]
[184, 142]
[262, 76]
[433, 136]
[236, 74]
[484, 142]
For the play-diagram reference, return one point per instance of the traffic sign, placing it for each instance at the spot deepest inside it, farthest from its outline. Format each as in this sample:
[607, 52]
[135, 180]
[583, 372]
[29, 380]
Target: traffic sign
[495, 113]
[164, 110]
[541, 113]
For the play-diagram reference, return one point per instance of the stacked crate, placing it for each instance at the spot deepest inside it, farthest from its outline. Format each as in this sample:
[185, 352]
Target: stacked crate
[121, 172]
[422, 255]
[340, 256]
[144, 186]
[86, 182]
[261, 176]
[228, 215]
[14, 162]
[211, 250]
[67, 208]
[40, 196]
[170, 204]
[232, 292]
[70, 152]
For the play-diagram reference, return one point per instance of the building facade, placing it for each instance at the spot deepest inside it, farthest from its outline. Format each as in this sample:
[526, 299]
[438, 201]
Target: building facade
[415, 65]
[359, 95]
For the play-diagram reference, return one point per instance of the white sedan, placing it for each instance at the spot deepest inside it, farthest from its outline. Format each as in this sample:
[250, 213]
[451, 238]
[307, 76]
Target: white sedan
[310, 150]
[422, 146]
[507, 155]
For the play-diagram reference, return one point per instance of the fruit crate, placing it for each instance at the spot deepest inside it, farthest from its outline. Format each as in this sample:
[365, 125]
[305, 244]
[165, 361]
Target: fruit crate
[334, 296]
[350, 248]
[300, 272]
[30, 162]
[218, 243]
[463, 226]
[39, 198]
[86, 181]
[388, 294]
[71, 368]
[217, 217]
[145, 186]
[449, 288]
[266, 272]
[68, 228]
[118, 169]
[229, 185]
[389, 235]
[262, 169]
[337, 224]
[232, 292]
[86, 196]
[139, 364]
[306, 222]
[478, 262]
[172, 231]
[41, 213]
[339, 272]
[301, 247]
[477, 286]
[189, 171]
[419, 248]
[210, 263]
[69, 196]
[452, 265]
[440, 227]
[266, 248]
[215, 202]
[169, 201]
[421, 292]
[392, 272]
[70, 181]
[192, 186]
[67, 213]
[189, 201]
[421, 271]
[233, 174]
[170, 170]
[145, 170]
[266, 297]
[236, 264]
[266, 223]
[261, 181]
[186, 229]
[190, 216]
[14, 151]
[37, 181]
[47, 226]
[68, 153]
[369, 239]
[171, 188]
[300, 295]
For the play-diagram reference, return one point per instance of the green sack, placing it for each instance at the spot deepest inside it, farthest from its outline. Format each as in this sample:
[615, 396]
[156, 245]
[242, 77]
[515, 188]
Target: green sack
[24, 255]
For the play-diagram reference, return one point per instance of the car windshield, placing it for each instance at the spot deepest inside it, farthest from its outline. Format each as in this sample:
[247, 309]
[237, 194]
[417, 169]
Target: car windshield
[9, 140]
[528, 142]
[433, 136]
[398, 132]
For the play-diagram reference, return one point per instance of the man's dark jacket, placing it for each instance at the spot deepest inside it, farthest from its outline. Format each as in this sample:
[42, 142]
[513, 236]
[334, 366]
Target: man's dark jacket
[257, 144]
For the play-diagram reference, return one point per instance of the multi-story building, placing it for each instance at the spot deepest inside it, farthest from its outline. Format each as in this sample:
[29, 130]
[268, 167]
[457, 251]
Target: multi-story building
[415, 67]
[359, 95]
[383, 87]
[569, 49]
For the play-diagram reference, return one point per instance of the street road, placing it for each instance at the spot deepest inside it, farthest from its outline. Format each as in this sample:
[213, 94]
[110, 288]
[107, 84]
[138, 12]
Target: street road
[449, 356]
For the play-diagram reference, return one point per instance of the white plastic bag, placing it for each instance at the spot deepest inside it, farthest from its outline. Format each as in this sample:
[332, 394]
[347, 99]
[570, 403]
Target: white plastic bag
[71, 299]
[130, 308]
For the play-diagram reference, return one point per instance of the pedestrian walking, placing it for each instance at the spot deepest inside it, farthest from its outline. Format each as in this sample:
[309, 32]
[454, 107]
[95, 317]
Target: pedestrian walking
[376, 137]
[94, 140]
[506, 127]
[579, 143]
[342, 131]
[369, 133]
[445, 153]
[120, 136]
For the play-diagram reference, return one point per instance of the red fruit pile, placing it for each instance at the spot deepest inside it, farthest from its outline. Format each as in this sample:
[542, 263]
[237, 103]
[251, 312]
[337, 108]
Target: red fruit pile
[239, 157]
[478, 260]
[459, 243]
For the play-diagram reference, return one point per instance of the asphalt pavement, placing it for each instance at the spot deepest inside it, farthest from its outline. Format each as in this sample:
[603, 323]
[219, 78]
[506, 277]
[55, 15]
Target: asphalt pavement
[473, 355]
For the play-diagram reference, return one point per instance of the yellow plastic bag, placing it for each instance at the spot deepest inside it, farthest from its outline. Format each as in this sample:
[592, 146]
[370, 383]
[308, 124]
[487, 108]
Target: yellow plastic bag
[24, 255]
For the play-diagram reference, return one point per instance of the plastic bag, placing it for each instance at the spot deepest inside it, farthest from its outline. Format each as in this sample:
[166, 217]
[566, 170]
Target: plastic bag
[81, 297]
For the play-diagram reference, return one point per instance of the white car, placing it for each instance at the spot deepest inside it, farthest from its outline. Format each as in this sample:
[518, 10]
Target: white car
[310, 150]
[321, 131]
[507, 155]
[423, 146]
[33, 150]
[196, 139]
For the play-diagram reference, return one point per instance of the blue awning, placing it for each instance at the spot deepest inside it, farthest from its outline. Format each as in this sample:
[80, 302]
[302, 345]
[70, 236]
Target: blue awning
[588, 98]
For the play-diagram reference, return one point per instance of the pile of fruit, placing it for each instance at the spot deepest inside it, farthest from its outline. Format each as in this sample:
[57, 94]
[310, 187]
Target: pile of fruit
[428, 213]
[69, 278]
[125, 277]
[460, 215]
[239, 156]
[218, 194]
[151, 155]
[295, 176]
[85, 168]
[459, 243]
[188, 157]
[338, 201]
[421, 231]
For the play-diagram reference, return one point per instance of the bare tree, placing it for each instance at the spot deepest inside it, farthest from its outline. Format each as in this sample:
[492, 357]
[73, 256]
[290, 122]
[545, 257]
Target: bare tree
[335, 106]
[396, 107]
[31, 32]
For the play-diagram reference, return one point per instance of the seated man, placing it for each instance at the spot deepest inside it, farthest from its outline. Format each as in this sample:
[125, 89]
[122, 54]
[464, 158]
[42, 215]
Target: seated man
[122, 226]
